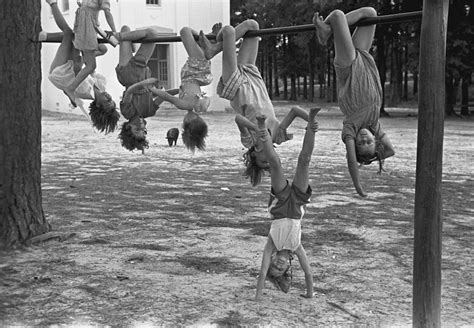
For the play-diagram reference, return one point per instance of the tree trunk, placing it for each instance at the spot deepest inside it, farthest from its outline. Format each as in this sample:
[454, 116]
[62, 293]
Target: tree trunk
[395, 75]
[305, 87]
[270, 73]
[450, 95]
[275, 75]
[405, 72]
[334, 84]
[415, 83]
[465, 94]
[381, 62]
[21, 211]
[322, 85]
[285, 87]
[293, 87]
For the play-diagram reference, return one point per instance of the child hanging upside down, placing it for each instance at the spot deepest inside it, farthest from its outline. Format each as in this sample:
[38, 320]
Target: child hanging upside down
[359, 89]
[66, 63]
[138, 100]
[287, 206]
[242, 84]
[195, 74]
[86, 24]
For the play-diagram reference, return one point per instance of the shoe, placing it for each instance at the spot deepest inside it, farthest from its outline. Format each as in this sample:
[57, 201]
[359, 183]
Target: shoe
[111, 38]
[107, 35]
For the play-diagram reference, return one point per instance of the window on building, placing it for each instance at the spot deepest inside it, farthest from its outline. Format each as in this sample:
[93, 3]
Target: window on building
[158, 64]
[153, 2]
[64, 6]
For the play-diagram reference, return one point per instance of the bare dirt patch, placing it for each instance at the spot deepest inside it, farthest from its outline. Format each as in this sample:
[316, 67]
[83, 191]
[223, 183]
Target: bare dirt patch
[174, 239]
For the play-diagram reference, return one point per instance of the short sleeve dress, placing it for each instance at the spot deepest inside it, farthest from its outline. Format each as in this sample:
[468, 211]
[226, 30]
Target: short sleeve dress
[359, 95]
[87, 18]
[248, 96]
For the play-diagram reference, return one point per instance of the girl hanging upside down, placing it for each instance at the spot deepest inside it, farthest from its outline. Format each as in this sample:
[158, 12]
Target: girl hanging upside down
[138, 100]
[195, 74]
[359, 89]
[66, 63]
[287, 206]
[86, 24]
[242, 84]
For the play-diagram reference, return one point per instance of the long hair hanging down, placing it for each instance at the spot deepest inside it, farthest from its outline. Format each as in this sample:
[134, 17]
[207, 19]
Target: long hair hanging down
[128, 139]
[194, 133]
[104, 120]
[252, 171]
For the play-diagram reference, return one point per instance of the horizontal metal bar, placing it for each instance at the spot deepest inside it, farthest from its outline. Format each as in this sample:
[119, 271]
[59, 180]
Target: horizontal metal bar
[384, 19]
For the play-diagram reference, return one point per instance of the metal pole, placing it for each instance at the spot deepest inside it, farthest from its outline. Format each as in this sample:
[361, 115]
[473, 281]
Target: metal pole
[384, 19]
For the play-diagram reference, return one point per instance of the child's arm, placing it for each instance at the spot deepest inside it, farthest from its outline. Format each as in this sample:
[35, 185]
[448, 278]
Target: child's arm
[108, 16]
[244, 124]
[266, 259]
[294, 112]
[127, 97]
[388, 147]
[158, 100]
[166, 96]
[308, 274]
[353, 166]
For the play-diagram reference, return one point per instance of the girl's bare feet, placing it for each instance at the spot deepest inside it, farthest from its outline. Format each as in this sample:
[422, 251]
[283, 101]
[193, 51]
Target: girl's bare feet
[323, 30]
[210, 49]
[216, 28]
[312, 123]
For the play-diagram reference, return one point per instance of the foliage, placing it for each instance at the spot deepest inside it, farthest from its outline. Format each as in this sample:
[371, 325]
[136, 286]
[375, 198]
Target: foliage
[299, 55]
[460, 48]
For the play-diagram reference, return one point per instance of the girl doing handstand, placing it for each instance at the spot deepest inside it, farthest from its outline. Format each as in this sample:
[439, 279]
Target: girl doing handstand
[287, 206]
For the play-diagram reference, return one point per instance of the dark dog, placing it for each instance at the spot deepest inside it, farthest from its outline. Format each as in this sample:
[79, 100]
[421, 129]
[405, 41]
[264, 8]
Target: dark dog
[172, 136]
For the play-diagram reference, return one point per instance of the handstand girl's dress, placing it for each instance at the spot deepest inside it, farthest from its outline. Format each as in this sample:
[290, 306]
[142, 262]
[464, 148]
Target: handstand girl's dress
[287, 209]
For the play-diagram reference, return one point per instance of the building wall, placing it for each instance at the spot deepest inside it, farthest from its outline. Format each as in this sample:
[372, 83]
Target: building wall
[171, 15]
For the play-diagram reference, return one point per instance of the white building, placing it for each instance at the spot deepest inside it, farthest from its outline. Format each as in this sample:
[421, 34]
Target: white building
[166, 63]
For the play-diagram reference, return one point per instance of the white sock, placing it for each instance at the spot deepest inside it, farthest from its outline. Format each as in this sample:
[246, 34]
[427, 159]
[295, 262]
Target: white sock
[42, 36]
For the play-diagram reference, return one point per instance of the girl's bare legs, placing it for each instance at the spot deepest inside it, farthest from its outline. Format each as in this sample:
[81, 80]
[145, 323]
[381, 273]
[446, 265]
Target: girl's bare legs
[65, 50]
[301, 177]
[278, 178]
[193, 49]
[343, 46]
[90, 65]
[125, 47]
[229, 59]
[226, 43]
[126, 37]
[249, 49]
[363, 36]
[337, 23]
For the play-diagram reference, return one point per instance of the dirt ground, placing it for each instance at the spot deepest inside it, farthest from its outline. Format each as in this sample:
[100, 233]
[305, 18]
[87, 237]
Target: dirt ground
[174, 239]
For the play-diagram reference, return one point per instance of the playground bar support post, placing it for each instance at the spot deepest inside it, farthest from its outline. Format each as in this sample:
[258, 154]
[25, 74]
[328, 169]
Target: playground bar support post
[428, 203]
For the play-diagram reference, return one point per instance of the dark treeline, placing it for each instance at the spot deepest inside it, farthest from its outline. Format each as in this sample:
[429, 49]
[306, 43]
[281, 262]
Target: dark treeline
[295, 67]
